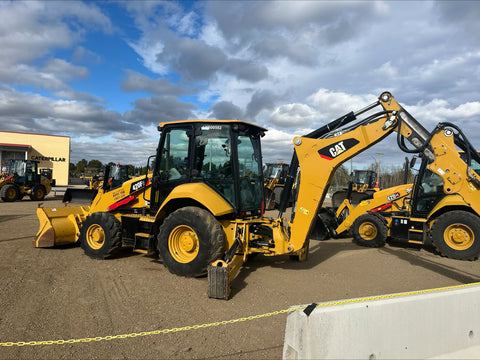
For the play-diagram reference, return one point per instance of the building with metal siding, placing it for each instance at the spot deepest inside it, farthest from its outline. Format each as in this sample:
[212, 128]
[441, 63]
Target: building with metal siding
[52, 151]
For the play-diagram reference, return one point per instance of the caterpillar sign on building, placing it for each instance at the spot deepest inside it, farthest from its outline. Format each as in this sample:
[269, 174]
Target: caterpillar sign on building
[52, 152]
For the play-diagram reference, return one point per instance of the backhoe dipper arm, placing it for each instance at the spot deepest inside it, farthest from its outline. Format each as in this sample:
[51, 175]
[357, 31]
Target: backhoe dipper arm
[319, 158]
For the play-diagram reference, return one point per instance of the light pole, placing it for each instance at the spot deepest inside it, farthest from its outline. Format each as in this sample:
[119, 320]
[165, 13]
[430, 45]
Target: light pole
[378, 168]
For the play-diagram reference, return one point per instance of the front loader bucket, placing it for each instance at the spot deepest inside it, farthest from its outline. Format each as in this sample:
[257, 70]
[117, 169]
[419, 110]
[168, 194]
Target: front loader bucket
[79, 195]
[59, 226]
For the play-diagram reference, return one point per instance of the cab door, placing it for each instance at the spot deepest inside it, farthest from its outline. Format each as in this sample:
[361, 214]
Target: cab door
[172, 165]
[428, 191]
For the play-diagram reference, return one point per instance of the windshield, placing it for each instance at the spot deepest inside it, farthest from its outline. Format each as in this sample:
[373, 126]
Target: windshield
[273, 171]
[362, 177]
[18, 167]
[473, 164]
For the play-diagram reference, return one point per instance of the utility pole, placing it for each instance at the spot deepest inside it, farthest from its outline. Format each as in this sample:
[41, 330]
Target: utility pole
[378, 167]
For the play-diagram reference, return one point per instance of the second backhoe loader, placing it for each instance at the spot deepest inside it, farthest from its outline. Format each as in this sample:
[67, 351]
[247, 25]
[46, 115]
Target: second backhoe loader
[201, 210]
[427, 214]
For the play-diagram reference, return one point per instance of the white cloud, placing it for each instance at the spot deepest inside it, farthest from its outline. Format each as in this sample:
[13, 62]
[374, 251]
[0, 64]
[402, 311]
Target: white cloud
[293, 115]
[387, 70]
[331, 105]
[148, 50]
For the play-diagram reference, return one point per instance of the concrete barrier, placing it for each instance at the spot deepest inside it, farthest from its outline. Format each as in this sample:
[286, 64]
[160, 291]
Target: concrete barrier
[440, 323]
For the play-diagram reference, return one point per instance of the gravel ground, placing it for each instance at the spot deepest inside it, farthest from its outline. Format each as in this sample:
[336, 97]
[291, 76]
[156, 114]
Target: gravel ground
[53, 294]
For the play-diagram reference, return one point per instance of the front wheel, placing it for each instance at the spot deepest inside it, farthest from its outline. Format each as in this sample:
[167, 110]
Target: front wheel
[101, 235]
[9, 193]
[189, 240]
[37, 193]
[456, 234]
[370, 230]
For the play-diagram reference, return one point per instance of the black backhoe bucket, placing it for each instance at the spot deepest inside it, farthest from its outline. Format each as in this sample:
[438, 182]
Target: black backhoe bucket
[79, 195]
[325, 224]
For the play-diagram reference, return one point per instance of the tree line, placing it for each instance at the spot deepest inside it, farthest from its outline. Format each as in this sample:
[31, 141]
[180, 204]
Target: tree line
[390, 175]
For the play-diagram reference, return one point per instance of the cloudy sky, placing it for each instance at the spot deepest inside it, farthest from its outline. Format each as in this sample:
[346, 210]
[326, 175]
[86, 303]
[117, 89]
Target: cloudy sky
[106, 73]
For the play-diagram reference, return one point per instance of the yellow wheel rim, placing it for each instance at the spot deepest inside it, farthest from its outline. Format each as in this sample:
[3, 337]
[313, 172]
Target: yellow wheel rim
[183, 244]
[459, 236]
[11, 193]
[95, 236]
[368, 231]
[39, 193]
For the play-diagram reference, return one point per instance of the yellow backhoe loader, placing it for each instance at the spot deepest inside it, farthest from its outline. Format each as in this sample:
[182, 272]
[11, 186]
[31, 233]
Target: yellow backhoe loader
[24, 178]
[201, 208]
[338, 221]
[427, 213]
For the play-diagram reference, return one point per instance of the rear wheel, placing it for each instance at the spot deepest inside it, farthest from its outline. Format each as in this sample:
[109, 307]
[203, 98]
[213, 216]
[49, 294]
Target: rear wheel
[9, 193]
[456, 234]
[370, 230]
[101, 235]
[189, 240]
[38, 193]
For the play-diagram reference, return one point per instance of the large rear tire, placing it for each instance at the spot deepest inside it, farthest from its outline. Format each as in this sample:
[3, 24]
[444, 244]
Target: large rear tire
[456, 234]
[101, 235]
[9, 193]
[37, 193]
[189, 240]
[370, 230]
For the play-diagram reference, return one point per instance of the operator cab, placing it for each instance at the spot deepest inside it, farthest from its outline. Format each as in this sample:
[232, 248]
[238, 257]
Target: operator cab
[364, 177]
[25, 171]
[276, 171]
[224, 154]
[115, 176]
[429, 187]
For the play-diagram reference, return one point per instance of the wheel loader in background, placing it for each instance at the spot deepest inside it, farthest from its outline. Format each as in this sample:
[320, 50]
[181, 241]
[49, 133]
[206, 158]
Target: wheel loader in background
[362, 186]
[24, 178]
[274, 176]
[201, 210]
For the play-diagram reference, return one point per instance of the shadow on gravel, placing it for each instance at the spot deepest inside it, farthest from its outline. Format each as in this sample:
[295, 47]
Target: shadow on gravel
[319, 252]
[442, 269]
[125, 252]
[12, 217]
[16, 238]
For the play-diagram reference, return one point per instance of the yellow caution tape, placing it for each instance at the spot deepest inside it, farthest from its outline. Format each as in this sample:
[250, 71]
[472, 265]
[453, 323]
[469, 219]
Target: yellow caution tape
[225, 322]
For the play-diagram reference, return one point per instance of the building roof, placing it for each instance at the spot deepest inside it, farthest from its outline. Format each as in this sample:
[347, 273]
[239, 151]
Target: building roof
[17, 147]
